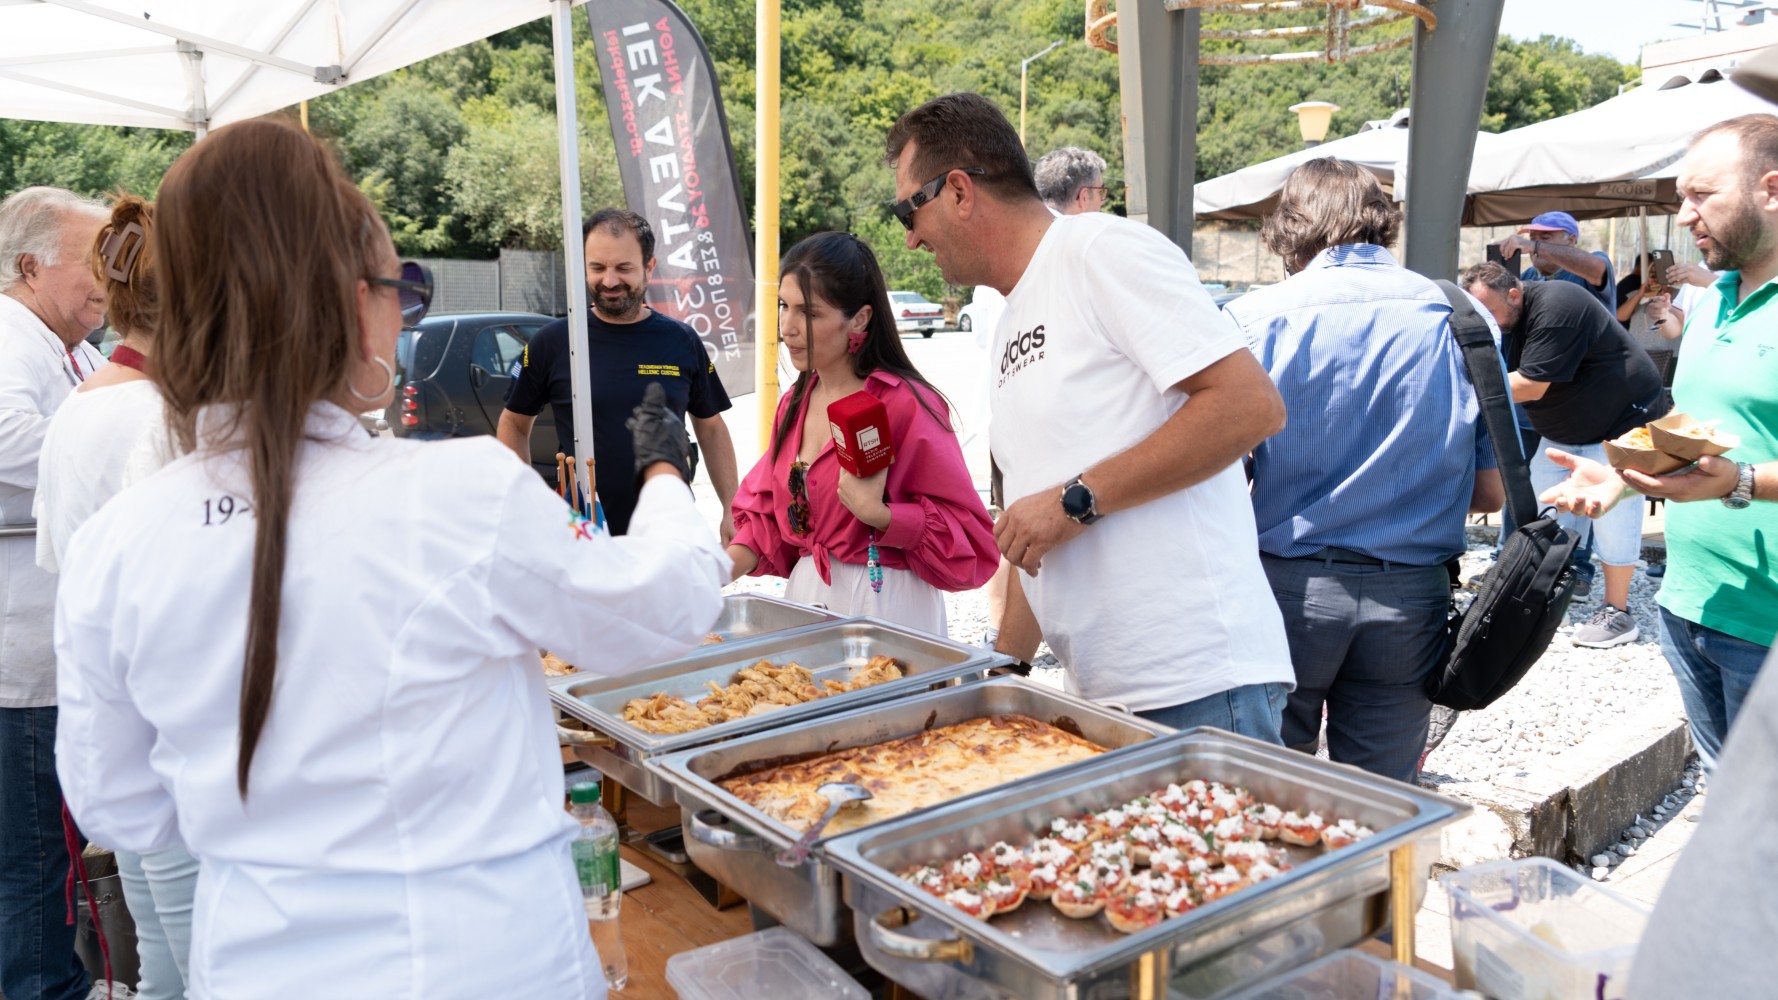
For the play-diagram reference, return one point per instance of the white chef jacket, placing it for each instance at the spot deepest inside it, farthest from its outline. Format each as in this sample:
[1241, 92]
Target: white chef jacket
[89, 455]
[404, 834]
[36, 374]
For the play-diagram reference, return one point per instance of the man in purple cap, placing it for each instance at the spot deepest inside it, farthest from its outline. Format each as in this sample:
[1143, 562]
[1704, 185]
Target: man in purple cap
[1549, 242]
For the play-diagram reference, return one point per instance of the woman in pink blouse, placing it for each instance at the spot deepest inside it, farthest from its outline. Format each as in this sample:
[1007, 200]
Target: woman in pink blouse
[798, 514]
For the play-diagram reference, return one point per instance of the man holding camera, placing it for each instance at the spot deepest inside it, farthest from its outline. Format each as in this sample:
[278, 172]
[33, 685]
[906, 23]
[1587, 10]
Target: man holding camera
[1550, 244]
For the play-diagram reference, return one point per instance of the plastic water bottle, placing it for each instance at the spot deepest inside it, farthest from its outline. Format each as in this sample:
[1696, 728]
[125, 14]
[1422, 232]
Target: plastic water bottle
[601, 884]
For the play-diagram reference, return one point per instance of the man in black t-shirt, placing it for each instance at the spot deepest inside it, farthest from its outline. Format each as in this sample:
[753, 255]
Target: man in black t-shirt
[1583, 381]
[629, 345]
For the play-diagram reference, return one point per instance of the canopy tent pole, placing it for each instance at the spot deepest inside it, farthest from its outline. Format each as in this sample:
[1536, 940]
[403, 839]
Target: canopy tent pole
[573, 244]
[765, 218]
[1450, 79]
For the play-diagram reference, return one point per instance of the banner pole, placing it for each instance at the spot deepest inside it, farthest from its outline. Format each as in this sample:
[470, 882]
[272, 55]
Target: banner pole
[573, 247]
[765, 223]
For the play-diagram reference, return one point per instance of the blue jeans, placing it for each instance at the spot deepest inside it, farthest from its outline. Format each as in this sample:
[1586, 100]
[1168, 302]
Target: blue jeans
[1363, 639]
[37, 960]
[1714, 671]
[1253, 710]
[158, 888]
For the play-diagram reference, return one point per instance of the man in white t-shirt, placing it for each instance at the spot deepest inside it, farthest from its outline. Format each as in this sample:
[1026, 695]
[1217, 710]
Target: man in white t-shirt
[1122, 402]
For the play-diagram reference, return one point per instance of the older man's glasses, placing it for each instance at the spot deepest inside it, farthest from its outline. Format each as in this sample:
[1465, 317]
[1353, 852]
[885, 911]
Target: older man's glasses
[906, 207]
[414, 288]
[799, 498]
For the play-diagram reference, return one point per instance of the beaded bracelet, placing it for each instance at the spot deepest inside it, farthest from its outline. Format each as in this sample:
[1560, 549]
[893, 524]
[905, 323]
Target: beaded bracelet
[874, 564]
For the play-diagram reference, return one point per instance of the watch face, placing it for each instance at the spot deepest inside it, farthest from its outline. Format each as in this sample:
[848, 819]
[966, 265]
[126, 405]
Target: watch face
[1734, 502]
[1077, 501]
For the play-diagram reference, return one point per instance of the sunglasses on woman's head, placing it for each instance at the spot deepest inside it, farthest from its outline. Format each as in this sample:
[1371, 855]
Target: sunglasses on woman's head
[414, 289]
[799, 498]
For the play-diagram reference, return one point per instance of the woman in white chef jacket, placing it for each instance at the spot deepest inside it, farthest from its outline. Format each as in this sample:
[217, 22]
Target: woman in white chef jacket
[313, 653]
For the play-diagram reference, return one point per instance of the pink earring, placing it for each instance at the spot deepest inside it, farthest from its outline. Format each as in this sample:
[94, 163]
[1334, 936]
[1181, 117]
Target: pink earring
[855, 340]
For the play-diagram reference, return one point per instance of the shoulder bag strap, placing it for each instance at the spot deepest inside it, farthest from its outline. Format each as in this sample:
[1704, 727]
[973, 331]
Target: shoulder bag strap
[1482, 358]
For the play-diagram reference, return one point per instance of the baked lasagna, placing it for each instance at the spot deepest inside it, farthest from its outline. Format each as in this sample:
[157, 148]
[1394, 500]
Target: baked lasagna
[929, 767]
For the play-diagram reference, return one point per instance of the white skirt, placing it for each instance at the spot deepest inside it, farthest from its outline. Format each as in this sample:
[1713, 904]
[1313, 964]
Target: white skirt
[906, 599]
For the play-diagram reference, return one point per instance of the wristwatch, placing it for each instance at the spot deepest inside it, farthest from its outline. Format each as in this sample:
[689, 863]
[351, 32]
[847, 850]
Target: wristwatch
[1077, 501]
[1738, 498]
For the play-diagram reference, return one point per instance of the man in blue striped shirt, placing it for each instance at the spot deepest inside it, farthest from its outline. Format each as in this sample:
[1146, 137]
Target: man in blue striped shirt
[1361, 500]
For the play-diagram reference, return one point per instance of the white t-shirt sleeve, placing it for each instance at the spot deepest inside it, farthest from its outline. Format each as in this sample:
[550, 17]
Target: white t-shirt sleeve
[1159, 315]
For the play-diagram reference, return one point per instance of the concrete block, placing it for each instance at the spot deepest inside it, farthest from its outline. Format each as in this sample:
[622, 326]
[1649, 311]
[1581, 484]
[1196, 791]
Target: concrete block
[1633, 771]
[1573, 807]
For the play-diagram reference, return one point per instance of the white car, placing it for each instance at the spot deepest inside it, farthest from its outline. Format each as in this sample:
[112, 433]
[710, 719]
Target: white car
[913, 312]
[982, 314]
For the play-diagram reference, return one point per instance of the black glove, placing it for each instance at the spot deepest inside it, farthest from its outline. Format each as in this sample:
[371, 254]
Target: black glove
[658, 435]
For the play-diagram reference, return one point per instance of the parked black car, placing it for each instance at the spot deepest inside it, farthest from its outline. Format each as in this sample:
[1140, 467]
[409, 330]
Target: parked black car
[454, 371]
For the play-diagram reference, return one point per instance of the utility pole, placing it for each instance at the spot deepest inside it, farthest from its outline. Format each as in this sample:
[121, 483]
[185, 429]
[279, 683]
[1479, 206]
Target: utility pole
[1024, 76]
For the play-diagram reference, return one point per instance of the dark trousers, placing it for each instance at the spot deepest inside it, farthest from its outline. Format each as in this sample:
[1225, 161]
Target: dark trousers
[1363, 639]
[37, 960]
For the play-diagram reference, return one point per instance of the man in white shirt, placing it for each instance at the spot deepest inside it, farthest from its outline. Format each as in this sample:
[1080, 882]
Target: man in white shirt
[49, 303]
[1122, 401]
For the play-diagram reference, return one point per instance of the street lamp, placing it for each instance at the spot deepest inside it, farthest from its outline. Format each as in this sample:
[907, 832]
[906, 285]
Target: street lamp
[1313, 117]
[1024, 67]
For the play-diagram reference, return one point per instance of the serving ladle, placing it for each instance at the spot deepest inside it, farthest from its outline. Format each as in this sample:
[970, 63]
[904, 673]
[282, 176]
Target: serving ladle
[838, 794]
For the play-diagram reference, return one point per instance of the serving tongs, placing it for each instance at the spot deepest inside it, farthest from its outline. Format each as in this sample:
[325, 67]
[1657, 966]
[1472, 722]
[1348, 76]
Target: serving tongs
[838, 794]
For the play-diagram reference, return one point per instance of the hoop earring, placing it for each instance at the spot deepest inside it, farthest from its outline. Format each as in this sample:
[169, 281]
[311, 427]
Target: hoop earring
[361, 397]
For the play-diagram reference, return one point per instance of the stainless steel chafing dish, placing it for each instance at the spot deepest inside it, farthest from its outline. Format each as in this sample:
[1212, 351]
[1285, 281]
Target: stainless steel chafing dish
[743, 616]
[1327, 901]
[737, 844]
[747, 615]
[835, 650]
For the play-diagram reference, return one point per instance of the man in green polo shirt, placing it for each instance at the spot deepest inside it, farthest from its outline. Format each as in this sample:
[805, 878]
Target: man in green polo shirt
[1719, 600]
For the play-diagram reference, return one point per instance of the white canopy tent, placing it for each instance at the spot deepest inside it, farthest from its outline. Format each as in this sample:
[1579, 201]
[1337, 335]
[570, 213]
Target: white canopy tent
[197, 64]
[200, 64]
[1252, 191]
[1615, 158]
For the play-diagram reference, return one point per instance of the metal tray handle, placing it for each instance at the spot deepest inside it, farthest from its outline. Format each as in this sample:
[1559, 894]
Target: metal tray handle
[713, 829]
[582, 738]
[884, 937]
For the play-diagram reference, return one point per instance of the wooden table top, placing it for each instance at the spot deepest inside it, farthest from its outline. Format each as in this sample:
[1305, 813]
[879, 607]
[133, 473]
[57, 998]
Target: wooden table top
[666, 916]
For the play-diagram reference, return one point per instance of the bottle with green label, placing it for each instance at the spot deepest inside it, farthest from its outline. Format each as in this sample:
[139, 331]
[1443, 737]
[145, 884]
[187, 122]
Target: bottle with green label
[601, 883]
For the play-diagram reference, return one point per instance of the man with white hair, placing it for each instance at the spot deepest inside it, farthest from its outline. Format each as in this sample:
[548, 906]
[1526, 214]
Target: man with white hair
[49, 303]
[1071, 180]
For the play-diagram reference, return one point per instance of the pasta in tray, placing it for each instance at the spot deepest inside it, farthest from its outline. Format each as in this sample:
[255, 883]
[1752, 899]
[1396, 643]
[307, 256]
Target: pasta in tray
[912, 772]
[760, 688]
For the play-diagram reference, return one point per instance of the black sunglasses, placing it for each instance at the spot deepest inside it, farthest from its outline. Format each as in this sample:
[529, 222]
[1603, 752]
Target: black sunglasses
[414, 288]
[798, 508]
[906, 207]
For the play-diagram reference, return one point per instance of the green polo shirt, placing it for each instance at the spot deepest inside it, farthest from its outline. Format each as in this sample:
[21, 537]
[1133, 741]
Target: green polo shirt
[1722, 564]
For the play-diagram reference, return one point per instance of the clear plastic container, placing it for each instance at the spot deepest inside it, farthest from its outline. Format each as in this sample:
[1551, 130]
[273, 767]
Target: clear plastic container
[1350, 975]
[1536, 930]
[774, 963]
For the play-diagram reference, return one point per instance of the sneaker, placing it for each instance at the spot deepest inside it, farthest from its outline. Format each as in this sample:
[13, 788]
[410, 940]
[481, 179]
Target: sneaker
[1608, 627]
[105, 989]
[1583, 585]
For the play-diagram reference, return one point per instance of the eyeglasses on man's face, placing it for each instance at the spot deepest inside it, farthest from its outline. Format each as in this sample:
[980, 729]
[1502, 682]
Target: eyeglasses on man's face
[413, 289]
[906, 207]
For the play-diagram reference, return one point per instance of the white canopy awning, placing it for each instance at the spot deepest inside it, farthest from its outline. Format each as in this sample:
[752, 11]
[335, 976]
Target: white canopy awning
[198, 64]
[1252, 191]
[1614, 158]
